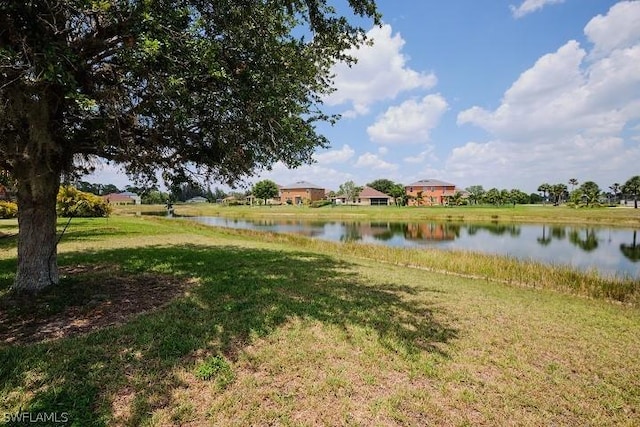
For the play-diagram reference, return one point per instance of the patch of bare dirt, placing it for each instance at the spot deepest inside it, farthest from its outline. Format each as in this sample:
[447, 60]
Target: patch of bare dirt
[98, 296]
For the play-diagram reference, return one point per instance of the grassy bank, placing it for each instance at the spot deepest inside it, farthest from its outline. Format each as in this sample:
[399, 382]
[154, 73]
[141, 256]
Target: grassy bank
[619, 216]
[240, 328]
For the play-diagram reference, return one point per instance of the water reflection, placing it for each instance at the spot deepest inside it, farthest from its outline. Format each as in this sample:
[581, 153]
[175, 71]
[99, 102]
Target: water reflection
[432, 231]
[586, 239]
[545, 239]
[494, 228]
[632, 251]
[583, 238]
[602, 249]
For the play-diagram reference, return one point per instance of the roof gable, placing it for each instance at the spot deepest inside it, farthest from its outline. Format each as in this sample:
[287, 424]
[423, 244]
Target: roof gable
[115, 197]
[372, 193]
[301, 184]
[431, 183]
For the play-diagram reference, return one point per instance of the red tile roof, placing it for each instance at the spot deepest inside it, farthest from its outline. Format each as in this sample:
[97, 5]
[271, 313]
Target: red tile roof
[372, 193]
[117, 197]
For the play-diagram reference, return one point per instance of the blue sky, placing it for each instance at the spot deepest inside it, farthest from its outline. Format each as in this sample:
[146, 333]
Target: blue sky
[506, 94]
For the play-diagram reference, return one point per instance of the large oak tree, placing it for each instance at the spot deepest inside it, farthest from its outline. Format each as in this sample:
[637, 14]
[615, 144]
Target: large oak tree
[231, 86]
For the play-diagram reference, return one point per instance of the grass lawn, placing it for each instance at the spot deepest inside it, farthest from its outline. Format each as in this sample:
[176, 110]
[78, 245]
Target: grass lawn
[160, 322]
[618, 216]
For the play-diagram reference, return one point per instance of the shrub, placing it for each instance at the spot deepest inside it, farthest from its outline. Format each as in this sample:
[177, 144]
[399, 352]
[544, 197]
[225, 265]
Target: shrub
[320, 203]
[8, 210]
[72, 202]
[215, 368]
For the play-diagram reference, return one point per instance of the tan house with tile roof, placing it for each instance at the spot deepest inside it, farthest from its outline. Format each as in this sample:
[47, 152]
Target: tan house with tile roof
[429, 192]
[122, 198]
[300, 191]
[368, 197]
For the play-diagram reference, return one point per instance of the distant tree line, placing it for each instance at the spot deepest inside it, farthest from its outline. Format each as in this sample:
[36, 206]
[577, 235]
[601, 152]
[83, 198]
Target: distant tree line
[151, 195]
[590, 194]
[576, 194]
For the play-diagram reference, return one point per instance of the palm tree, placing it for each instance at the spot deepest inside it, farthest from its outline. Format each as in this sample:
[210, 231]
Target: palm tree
[632, 188]
[616, 189]
[573, 182]
[558, 191]
[544, 189]
[456, 199]
[591, 192]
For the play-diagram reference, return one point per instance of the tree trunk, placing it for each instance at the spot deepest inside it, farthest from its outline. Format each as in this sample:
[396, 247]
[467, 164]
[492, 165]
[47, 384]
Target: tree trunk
[37, 254]
[37, 171]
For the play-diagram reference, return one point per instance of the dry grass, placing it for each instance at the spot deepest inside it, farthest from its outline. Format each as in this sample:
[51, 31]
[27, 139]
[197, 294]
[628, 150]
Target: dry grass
[312, 335]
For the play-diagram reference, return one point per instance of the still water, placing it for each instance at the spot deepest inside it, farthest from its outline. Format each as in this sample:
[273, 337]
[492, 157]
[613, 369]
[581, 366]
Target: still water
[607, 250]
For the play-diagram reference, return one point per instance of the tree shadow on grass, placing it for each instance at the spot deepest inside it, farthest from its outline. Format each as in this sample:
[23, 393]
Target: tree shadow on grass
[242, 294]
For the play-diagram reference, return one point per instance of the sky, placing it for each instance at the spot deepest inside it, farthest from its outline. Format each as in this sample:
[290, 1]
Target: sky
[498, 93]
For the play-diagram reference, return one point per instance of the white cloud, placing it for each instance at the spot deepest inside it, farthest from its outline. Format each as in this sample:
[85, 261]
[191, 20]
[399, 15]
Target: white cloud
[411, 121]
[383, 150]
[426, 155]
[380, 73]
[335, 156]
[530, 6]
[373, 161]
[617, 30]
[492, 163]
[571, 111]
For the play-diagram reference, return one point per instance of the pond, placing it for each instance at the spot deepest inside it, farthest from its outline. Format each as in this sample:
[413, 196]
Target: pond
[607, 250]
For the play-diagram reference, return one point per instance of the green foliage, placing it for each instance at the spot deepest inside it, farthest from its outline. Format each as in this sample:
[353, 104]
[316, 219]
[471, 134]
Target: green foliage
[184, 191]
[493, 197]
[8, 210]
[225, 85]
[519, 197]
[391, 188]
[321, 203]
[265, 189]
[476, 193]
[6, 179]
[74, 203]
[98, 189]
[535, 198]
[349, 190]
[193, 89]
[216, 194]
[383, 185]
[545, 189]
[590, 192]
[456, 199]
[154, 197]
[631, 188]
[215, 368]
